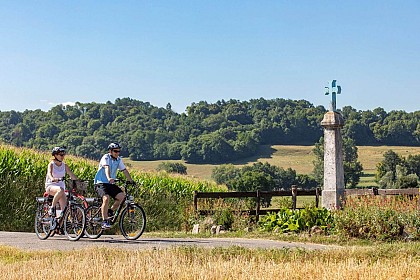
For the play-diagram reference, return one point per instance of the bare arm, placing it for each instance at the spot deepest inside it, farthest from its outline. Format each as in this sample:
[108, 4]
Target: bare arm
[71, 174]
[127, 175]
[108, 174]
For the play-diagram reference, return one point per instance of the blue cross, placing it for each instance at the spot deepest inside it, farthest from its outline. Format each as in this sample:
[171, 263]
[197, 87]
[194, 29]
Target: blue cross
[334, 91]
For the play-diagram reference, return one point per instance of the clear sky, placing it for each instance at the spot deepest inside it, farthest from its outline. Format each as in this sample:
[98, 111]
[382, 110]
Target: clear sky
[180, 52]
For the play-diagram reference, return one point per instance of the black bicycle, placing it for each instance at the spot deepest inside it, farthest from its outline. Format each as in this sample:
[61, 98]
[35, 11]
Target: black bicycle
[132, 220]
[71, 221]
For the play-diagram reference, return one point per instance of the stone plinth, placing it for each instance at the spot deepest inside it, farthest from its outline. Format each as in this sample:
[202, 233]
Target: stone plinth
[333, 192]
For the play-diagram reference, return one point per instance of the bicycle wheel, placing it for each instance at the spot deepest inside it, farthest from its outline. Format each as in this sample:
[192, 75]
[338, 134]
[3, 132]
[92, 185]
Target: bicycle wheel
[42, 221]
[93, 222]
[132, 221]
[74, 223]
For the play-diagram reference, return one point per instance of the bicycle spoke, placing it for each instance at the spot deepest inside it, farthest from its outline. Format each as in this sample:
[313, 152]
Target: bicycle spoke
[42, 222]
[132, 221]
[93, 222]
[74, 222]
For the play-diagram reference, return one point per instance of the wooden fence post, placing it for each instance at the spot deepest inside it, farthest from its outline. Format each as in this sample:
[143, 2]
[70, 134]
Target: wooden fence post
[317, 192]
[294, 196]
[257, 211]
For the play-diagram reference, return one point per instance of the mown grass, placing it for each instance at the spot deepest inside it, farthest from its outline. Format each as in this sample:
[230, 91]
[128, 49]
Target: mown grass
[299, 158]
[383, 261]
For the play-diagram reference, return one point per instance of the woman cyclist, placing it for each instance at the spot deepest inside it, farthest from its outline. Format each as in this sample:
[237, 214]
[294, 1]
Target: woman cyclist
[54, 184]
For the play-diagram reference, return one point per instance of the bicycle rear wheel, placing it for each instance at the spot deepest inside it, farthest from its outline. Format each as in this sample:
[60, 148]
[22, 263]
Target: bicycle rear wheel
[42, 221]
[132, 221]
[74, 223]
[93, 222]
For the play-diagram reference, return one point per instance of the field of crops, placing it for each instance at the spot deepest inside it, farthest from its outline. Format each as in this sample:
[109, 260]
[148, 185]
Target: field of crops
[22, 176]
[298, 158]
[393, 261]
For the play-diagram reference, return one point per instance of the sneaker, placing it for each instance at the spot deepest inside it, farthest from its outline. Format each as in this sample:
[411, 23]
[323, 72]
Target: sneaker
[110, 213]
[51, 211]
[59, 231]
[105, 225]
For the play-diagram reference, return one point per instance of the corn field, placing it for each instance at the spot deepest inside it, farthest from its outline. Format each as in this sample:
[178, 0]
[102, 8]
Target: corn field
[165, 198]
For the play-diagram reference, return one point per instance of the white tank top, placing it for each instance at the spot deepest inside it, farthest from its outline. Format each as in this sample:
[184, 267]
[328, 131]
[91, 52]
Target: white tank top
[57, 172]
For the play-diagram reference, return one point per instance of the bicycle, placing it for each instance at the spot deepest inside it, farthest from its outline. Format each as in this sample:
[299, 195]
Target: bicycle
[78, 191]
[132, 220]
[71, 221]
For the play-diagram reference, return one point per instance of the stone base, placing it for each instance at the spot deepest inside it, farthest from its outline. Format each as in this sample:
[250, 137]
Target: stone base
[333, 199]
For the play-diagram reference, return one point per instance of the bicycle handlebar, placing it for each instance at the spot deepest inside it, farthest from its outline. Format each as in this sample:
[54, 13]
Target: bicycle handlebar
[125, 182]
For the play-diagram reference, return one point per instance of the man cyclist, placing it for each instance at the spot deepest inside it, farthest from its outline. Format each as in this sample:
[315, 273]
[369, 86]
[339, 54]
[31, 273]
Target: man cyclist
[105, 181]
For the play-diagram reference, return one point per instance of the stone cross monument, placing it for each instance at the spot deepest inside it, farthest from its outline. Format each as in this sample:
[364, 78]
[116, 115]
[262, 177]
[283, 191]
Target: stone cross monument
[333, 122]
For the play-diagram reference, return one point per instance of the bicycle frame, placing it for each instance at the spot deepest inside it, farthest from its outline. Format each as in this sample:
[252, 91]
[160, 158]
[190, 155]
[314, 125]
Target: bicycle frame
[128, 199]
[131, 217]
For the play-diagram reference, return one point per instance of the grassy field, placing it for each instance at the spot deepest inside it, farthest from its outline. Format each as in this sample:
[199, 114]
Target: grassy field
[393, 261]
[299, 158]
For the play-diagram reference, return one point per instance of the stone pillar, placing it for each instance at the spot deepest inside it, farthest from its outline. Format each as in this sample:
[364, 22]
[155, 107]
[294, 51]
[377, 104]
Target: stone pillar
[333, 192]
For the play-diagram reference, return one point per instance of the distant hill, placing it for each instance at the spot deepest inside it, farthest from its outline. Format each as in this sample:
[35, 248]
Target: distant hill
[208, 133]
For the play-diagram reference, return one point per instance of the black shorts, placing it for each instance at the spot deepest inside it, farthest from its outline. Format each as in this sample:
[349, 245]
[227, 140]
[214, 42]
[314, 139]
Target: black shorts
[110, 189]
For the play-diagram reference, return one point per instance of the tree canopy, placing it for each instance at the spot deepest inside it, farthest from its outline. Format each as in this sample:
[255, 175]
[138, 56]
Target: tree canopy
[206, 133]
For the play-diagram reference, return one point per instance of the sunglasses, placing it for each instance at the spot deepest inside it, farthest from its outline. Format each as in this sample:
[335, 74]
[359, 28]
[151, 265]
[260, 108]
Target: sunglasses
[116, 151]
[62, 154]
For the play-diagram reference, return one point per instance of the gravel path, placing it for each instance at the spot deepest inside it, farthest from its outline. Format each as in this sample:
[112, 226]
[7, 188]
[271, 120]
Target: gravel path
[29, 241]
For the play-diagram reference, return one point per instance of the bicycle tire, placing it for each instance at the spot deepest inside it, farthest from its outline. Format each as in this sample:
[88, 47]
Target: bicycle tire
[74, 223]
[132, 221]
[93, 228]
[42, 221]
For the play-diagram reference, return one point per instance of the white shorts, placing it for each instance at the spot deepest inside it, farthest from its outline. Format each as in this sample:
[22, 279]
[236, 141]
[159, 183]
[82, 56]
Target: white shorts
[49, 186]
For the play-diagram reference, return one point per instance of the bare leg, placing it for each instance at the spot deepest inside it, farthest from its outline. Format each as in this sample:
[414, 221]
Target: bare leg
[63, 201]
[59, 196]
[117, 201]
[104, 207]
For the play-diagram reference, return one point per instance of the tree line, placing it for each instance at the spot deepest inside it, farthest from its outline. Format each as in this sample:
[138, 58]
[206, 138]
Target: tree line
[205, 133]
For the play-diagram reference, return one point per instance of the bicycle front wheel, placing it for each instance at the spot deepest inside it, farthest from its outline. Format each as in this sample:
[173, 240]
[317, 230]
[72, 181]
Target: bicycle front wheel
[42, 221]
[74, 222]
[132, 221]
[93, 222]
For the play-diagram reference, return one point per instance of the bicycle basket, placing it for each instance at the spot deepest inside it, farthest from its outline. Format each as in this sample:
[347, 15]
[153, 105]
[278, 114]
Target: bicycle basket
[80, 186]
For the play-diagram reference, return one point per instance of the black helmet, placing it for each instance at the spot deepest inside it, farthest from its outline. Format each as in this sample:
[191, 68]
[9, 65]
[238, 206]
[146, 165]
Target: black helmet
[114, 145]
[57, 150]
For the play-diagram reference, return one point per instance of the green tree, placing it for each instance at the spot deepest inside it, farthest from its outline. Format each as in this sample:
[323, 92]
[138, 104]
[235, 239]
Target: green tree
[388, 164]
[172, 167]
[394, 171]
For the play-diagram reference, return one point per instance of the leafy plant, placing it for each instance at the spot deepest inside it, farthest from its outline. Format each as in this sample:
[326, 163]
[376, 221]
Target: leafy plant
[287, 220]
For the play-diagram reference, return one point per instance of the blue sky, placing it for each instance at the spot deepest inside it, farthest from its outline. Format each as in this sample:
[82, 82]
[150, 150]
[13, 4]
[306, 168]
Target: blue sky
[181, 52]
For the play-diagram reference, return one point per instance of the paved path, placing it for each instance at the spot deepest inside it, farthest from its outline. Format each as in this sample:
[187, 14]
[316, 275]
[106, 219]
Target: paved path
[29, 241]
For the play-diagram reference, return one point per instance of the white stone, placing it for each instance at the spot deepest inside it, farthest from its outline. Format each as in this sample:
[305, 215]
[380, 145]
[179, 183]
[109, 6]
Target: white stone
[333, 192]
[196, 229]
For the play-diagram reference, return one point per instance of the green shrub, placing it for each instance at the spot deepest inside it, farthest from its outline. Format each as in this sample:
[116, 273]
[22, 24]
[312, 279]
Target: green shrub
[172, 167]
[379, 218]
[287, 220]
